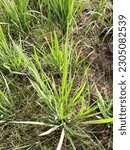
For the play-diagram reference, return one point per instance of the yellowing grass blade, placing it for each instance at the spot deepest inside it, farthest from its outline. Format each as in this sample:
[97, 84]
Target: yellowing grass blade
[49, 131]
[61, 140]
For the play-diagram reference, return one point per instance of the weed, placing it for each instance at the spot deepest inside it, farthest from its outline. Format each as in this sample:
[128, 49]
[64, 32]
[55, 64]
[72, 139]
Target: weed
[61, 13]
[17, 12]
[56, 56]
[61, 102]
[9, 60]
[6, 101]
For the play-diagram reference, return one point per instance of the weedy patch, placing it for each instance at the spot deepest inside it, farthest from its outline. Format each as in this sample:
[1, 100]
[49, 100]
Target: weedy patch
[17, 13]
[61, 12]
[6, 101]
[9, 59]
[61, 102]
[57, 103]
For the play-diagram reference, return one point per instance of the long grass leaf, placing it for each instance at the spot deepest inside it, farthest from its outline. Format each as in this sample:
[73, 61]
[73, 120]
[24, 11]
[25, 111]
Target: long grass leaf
[61, 140]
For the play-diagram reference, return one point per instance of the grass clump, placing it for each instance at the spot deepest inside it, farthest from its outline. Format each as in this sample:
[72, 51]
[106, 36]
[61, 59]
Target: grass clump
[60, 101]
[55, 56]
[9, 59]
[17, 13]
[6, 100]
[61, 12]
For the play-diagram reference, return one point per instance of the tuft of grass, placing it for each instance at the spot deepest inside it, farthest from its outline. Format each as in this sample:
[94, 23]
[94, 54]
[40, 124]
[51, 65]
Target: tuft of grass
[56, 56]
[17, 12]
[61, 101]
[6, 101]
[61, 12]
[105, 105]
[100, 21]
[9, 59]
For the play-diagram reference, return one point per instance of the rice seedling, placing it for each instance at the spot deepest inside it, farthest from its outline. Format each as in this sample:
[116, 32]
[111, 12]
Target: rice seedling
[17, 12]
[9, 59]
[56, 56]
[61, 101]
[61, 12]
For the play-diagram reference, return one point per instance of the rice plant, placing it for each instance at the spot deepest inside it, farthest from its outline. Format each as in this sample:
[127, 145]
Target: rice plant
[17, 12]
[9, 59]
[66, 109]
[55, 56]
[61, 12]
